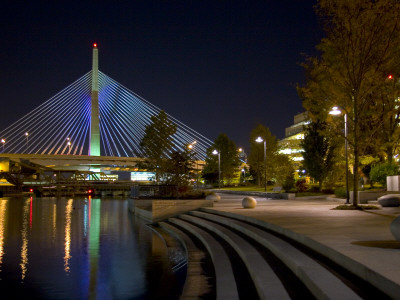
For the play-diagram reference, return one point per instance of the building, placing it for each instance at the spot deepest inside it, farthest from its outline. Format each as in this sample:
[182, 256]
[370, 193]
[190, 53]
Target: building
[290, 145]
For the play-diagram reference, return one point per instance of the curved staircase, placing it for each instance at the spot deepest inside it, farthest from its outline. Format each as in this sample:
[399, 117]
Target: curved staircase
[233, 257]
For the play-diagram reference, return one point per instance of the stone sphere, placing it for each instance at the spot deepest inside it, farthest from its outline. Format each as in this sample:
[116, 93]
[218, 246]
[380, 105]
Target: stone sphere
[395, 228]
[213, 197]
[390, 200]
[249, 202]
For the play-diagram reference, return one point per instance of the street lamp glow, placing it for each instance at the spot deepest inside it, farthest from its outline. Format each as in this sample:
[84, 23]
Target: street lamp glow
[259, 140]
[335, 111]
[27, 141]
[215, 152]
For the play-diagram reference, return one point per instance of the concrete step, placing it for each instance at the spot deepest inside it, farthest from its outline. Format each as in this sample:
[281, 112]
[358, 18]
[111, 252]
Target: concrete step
[226, 287]
[197, 284]
[306, 269]
[320, 281]
[266, 281]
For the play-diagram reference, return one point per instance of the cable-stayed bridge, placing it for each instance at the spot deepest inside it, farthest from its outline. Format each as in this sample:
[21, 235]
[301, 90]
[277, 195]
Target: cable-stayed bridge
[94, 116]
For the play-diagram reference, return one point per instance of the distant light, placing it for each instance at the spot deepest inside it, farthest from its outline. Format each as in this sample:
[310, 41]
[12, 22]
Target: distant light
[390, 76]
[94, 45]
[259, 140]
[215, 152]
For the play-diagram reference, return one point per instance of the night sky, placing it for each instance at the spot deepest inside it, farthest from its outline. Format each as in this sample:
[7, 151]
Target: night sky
[217, 66]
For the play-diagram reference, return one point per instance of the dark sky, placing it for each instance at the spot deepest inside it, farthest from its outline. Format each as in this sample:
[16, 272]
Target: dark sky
[217, 66]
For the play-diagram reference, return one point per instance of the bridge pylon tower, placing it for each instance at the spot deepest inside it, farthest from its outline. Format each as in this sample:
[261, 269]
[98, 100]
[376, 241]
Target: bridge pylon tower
[94, 145]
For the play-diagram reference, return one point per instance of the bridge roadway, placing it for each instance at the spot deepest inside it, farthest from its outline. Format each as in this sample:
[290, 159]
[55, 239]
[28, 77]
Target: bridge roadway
[77, 162]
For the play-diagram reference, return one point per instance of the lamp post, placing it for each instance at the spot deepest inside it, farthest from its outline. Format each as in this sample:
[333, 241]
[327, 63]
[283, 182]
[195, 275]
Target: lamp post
[215, 152]
[3, 141]
[259, 140]
[335, 111]
[243, 154]
[69, 145]
[27, 140]
[191, 146]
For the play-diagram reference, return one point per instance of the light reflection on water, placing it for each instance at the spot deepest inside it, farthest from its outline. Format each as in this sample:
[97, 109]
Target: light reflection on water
[81, 249]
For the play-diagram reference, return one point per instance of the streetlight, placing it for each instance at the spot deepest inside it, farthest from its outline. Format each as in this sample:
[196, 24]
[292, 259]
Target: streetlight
[335, 112]
[259, 140]
[242, 154]
[191, 146]
[215, 152]
[3, 141]
[27, 135]
[69, 145]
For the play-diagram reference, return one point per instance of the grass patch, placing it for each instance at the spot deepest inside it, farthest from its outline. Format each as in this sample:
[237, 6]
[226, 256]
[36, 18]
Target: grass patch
[359, 207]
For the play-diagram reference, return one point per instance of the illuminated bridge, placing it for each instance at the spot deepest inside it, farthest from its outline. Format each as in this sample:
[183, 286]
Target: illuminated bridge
[95, 116]
[95, 121]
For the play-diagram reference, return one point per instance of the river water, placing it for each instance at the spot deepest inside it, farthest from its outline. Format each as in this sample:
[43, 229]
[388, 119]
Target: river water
[63, 248]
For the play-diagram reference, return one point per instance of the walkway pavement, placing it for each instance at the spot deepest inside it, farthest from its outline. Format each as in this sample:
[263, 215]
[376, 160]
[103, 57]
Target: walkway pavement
[364, 236]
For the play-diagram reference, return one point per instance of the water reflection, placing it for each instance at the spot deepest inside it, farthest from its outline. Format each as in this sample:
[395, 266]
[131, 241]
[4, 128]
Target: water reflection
[79, 249]
[68, 217]
[3, 209]
[26, 219]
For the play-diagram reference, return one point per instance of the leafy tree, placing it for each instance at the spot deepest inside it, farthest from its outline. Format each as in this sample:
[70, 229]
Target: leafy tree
[256, 156]
[157, 144]
[229, 160]
[360, 48]
[179, 167]
[386, 119]
[278, 166]
[318, 152]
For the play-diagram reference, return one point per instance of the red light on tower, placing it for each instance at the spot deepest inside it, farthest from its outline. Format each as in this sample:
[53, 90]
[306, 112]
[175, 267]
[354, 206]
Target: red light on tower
[95, 45]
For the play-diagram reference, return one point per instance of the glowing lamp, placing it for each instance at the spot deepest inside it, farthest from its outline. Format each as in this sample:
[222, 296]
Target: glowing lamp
[335, 111]
[95, 45]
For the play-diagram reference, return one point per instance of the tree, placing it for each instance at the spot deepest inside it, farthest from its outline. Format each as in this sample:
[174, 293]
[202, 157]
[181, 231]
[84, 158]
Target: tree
[279, 167]
[179, 167]
[229, 160]
[318, 151]
[387, 120]
[360, 48]
[157, 142]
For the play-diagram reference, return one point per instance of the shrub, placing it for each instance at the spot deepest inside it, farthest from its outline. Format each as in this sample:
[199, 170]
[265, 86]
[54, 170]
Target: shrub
[288, 184]
[301, 185]
[379, 172]
[340, 192]
[328, 191]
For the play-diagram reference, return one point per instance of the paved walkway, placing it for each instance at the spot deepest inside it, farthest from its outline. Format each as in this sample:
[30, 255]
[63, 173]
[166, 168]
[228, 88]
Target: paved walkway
[363, 236]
